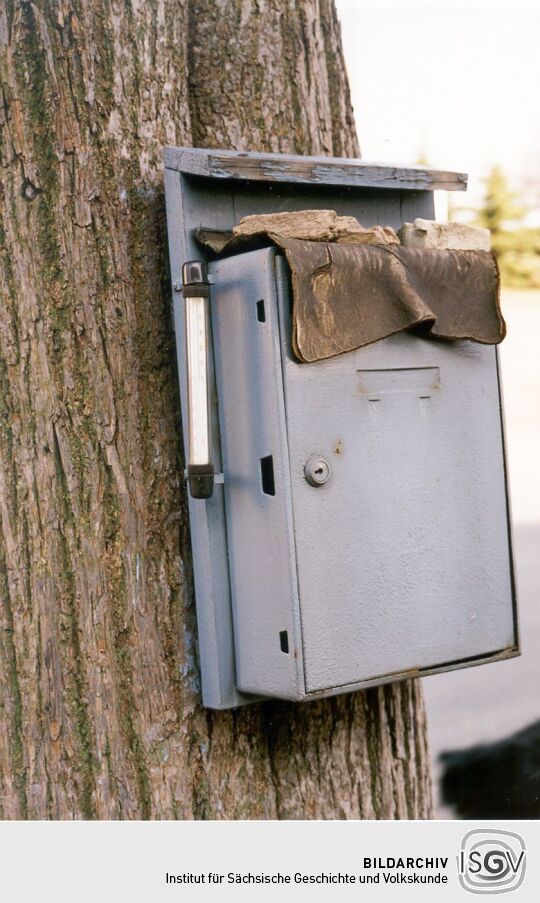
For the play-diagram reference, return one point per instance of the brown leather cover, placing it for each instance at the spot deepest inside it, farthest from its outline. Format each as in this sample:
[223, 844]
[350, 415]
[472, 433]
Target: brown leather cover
[347, 296]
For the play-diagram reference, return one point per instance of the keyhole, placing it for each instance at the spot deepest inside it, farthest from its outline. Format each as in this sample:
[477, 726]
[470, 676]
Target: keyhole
[316, 471]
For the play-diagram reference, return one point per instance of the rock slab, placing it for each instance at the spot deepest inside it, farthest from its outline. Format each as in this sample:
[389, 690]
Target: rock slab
[425, 233]
[315, 225]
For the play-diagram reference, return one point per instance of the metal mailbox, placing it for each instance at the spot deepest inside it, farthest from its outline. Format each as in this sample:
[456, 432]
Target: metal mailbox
[361, 532]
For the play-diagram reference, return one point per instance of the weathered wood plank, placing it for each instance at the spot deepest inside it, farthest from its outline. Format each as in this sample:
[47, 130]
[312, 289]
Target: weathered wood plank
[310, 170]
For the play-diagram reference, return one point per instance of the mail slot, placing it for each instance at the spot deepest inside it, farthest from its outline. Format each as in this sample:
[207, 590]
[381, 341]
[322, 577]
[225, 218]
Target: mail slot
[358, 531]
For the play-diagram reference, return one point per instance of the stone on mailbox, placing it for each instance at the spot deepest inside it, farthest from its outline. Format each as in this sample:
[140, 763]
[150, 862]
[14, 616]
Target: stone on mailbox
[424, 233]
[315, 225]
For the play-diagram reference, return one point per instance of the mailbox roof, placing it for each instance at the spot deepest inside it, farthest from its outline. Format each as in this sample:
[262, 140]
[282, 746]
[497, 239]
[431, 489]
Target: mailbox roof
[247, 166]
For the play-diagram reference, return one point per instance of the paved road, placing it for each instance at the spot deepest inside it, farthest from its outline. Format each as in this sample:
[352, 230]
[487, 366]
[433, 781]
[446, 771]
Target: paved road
[490, 702]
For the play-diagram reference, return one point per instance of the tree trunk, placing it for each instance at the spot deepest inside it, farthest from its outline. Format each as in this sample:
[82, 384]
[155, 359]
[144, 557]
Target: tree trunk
[99, 705]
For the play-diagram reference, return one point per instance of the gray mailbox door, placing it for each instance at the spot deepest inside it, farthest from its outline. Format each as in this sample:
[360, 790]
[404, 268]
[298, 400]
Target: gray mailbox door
[400, 562]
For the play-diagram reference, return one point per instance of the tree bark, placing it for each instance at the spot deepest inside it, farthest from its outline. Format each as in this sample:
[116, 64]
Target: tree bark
[99, 705]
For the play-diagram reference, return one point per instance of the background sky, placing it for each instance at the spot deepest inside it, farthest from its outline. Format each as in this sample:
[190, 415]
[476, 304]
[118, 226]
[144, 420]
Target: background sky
[458, 84]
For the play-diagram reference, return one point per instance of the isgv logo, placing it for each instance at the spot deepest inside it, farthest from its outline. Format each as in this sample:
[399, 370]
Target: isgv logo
[491, 862]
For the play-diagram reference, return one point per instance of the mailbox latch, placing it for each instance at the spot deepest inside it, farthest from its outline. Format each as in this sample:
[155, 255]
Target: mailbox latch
[200, 469]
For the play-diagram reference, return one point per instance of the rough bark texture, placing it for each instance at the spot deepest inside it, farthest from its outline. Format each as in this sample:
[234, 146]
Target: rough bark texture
[99, 710]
